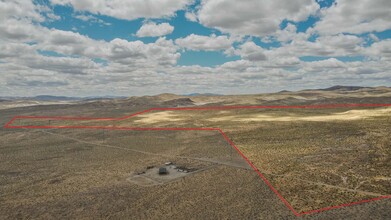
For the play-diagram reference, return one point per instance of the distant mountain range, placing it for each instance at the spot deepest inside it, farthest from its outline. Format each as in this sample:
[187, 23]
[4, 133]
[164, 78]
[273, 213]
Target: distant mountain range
[60, 98]
[94, 98]
[54, 98]
[345, 88]
[203, 94]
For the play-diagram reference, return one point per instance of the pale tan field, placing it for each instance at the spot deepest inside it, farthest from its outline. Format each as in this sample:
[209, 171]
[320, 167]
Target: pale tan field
[177, 116]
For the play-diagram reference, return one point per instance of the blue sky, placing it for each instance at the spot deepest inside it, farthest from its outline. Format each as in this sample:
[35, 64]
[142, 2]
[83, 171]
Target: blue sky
[206, 46]
[126, 29]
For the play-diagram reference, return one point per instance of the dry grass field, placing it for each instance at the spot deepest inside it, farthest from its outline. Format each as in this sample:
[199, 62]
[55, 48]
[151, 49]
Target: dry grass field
[315, 158]
[78, 174]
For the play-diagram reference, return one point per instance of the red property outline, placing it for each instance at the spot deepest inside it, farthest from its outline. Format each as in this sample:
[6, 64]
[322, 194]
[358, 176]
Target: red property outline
[8, 125]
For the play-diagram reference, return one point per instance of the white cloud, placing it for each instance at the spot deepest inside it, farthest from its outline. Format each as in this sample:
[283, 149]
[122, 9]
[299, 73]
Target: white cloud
[191, 16]
[207, 43]
[133, 54]
[23, 9]
[341, 44]
[130, 9]
[252, 52]
[325, 64]
[71, 43]
[129, 63]
[151, 29]
[15, 50]
[87, 66]
[288, 34]
[253, 17]
[92, 19]
[137, 54]
[47, 12]
[61, 65]
[237, 66]
[373, 37]
[19, 18]
[336, 45]
[282, 62]
[380, 50]
[19, 30]
[357, 17]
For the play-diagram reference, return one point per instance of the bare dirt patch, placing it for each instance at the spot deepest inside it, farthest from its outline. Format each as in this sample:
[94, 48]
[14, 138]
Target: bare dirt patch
[343, 116]
[157, 117]
[150, 176]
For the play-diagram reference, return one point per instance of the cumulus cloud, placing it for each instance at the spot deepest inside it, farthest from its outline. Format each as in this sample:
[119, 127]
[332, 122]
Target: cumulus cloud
[373, 37]
[151, 29]
[237, 66]
[208, 43]
[163, 52]
[325, 64]
[15, 50]
[86, 66]
[22, 9]
[362, 16]
[70, 43]
[380, 50]
[14, 30]
[75, 69]
[64, 65]
[91, 19]
[252, 52]
[253, 17]
[289, 34]
[282, 62]
[335, 45]
[130, 10]
[191, 16]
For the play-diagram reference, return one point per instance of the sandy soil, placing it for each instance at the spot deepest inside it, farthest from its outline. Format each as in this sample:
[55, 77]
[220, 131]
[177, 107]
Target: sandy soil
[159, 117]
[17, 104]
[171, 116]
[344, 116]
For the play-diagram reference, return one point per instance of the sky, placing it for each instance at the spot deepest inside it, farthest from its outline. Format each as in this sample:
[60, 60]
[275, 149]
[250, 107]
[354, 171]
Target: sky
[147, 47]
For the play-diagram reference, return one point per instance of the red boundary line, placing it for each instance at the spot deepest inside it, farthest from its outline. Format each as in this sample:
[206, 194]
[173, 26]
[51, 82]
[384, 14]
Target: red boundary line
[287, 204]
[345, 205]
[260, 174]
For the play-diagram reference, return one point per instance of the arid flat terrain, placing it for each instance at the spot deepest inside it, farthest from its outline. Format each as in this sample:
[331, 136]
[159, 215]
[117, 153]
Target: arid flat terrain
[313, 157]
